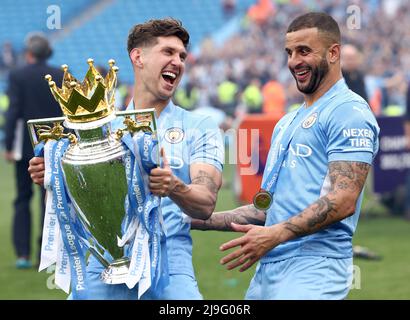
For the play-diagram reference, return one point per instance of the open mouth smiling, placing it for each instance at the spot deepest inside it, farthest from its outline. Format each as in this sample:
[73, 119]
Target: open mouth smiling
[169, 77]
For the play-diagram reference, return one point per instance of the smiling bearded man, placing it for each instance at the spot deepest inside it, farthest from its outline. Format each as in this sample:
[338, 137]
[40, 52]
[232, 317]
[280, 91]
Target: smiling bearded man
[303, 234]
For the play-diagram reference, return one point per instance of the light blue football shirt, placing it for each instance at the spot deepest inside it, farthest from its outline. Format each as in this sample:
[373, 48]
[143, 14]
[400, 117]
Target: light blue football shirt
[187, 138]
[341, 128]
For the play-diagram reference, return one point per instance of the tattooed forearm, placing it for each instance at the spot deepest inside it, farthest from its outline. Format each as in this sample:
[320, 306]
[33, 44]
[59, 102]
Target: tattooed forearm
[181, 187]
[204, 178]
[347, 180]
[197, 199]
[222, 220]
[324, 207]
[295, 229]
[312, 218]
[246, 215]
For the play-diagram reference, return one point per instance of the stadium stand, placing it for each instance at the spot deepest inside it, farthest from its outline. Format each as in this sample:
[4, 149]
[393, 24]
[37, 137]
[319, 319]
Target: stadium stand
[104, 36]
[19, 17]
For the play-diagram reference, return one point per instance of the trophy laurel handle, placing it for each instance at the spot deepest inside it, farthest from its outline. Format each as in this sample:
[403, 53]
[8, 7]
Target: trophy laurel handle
[42, 130]
[132, 126]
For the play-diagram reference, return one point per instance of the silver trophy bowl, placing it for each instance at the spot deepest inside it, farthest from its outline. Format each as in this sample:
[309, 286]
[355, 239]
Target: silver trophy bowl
[95, 178]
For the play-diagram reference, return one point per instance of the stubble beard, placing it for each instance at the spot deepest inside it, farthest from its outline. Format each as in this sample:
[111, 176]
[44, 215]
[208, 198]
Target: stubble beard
[317, 75]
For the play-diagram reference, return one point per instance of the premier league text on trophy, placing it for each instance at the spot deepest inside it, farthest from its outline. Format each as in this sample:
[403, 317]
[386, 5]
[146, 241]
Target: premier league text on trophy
[91, 178]
[67, 228]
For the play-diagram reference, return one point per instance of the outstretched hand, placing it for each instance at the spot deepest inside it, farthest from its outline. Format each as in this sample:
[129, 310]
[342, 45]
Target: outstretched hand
[254, 244]
[162, 180]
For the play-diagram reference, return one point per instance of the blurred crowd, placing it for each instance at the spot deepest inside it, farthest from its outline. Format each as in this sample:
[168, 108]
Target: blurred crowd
[248, 73]
[8, 58]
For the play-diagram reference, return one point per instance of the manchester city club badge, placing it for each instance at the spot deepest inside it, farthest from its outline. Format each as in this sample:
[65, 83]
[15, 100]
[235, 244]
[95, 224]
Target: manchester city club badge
[174, 135]
[262, 200]
[309, 121]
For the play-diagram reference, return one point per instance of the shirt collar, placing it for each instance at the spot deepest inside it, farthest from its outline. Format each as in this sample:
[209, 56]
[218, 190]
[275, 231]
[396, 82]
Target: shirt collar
[334, 90]
[337, 87]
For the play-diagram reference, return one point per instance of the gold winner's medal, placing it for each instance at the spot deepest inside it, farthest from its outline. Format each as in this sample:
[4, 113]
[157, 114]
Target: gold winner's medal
[262, 200]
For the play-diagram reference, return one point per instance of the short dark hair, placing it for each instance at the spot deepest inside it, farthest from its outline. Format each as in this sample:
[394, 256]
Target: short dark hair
[38, 45]
[326, 25]
[145, 34]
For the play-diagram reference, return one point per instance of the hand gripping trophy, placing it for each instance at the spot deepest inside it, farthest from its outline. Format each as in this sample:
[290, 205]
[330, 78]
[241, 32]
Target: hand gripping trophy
[98, 200]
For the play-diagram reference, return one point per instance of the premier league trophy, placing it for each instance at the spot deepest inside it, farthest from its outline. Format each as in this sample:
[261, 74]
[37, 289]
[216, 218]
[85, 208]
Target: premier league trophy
[98, 200]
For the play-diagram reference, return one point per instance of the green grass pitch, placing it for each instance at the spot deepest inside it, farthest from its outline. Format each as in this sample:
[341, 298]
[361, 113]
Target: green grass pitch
[385, 279]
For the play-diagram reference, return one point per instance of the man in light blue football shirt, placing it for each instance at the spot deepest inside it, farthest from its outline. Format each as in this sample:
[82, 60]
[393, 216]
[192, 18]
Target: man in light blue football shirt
[192, 153]
[316, 169]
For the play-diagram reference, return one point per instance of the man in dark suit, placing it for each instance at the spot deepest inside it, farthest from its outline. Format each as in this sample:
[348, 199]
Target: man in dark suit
[354, 77]
[30, 98]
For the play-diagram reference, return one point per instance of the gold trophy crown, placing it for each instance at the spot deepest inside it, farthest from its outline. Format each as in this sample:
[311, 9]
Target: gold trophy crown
[86, 101]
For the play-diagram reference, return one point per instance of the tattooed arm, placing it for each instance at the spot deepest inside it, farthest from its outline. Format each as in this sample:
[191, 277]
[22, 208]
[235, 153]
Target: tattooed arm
[221, 221]
[347, 180]
[198, 198]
